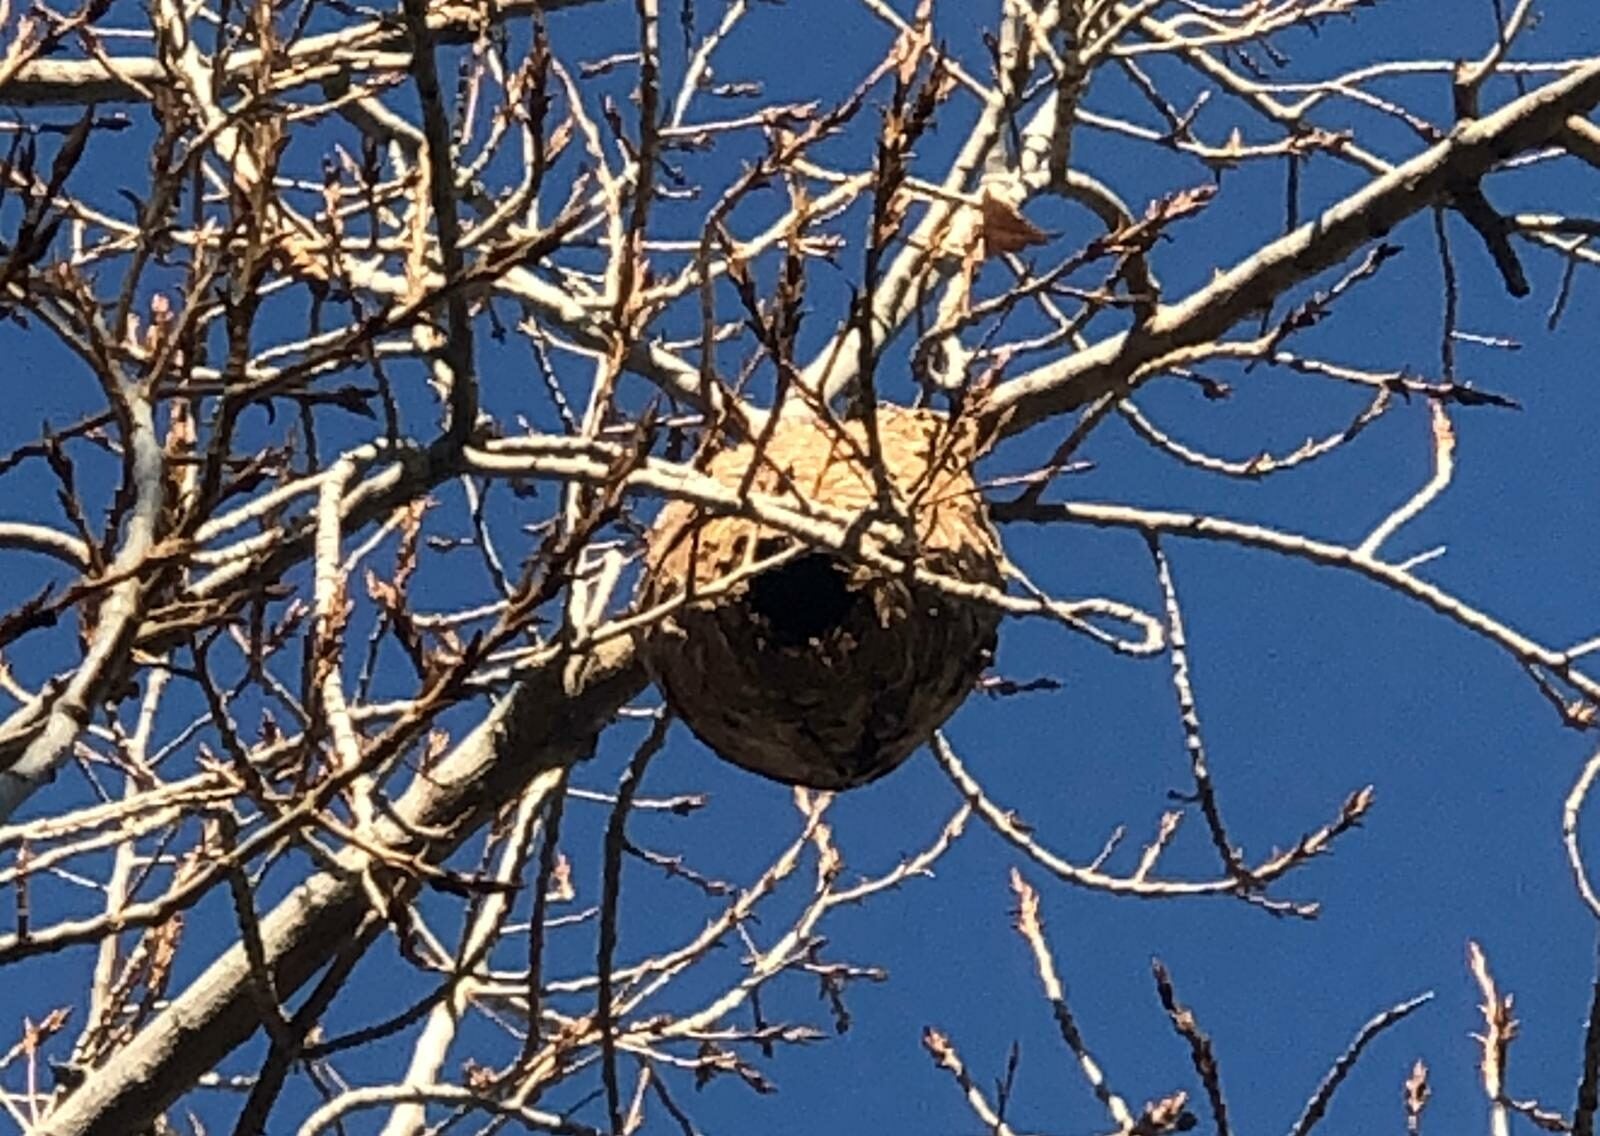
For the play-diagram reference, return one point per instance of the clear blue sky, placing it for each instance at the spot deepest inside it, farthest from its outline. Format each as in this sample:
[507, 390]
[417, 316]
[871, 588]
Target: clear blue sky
[1311, 684]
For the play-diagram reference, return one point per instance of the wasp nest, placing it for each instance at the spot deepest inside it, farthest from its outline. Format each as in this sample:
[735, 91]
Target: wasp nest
[820, 670]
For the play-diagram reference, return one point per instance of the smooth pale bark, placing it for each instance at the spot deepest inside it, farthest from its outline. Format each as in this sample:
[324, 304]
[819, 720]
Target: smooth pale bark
[550, 721]
[1469, 153]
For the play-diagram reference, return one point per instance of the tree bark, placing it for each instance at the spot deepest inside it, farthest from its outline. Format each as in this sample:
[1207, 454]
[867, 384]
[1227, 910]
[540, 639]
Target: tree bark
[548, 722]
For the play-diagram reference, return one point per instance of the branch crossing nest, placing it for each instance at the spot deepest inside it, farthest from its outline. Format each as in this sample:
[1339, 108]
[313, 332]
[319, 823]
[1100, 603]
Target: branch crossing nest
[822, 671]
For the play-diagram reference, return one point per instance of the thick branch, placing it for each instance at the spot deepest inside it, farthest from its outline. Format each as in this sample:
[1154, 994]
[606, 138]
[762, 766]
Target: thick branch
[50, 737]
[1470, 152]
[549, 722]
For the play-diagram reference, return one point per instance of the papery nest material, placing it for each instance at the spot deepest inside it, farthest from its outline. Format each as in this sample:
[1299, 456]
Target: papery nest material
[822, 671]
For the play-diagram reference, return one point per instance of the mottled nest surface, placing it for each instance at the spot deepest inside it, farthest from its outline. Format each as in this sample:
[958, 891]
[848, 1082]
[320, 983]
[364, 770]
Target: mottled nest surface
[819, 671]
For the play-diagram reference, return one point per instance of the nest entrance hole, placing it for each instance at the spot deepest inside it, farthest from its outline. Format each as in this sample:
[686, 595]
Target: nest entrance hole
[802, 599]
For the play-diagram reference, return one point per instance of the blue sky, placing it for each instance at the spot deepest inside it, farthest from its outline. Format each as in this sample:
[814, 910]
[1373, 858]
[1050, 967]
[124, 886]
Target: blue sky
[1311, 683]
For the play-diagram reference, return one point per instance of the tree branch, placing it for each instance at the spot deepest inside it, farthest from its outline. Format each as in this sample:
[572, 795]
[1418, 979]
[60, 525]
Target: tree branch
[129, 78]
[1470, 152]
[550, 721]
